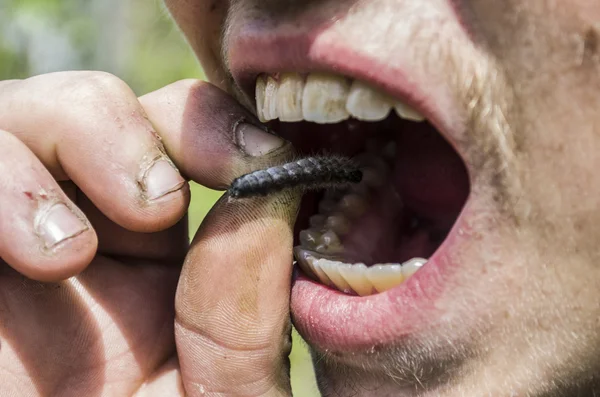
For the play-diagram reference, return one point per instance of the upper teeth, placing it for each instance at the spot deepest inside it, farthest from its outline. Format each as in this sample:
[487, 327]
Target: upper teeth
[324, 98]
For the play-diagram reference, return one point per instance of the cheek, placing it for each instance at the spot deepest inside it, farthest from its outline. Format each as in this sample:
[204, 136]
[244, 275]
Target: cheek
[550, 54]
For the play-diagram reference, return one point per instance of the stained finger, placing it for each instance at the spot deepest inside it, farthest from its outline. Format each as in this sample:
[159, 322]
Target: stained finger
[232, 305]
[209, 135]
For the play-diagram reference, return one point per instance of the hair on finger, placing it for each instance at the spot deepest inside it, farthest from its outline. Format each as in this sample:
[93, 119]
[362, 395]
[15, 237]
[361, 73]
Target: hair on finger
[309, 173]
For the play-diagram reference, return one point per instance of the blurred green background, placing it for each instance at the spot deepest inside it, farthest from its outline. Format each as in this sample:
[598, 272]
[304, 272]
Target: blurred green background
[133, 39]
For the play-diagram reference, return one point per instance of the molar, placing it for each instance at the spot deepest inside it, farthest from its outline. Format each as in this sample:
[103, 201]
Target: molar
[329, 244]
[338, 223]
[353, 205]
[310, 238]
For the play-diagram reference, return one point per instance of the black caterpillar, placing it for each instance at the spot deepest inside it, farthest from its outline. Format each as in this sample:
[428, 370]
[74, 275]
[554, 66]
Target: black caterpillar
[309, 173]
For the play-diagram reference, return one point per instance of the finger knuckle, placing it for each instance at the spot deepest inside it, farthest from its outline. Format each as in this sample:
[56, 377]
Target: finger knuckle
[10, 146]
[98, 79]
[96, 84]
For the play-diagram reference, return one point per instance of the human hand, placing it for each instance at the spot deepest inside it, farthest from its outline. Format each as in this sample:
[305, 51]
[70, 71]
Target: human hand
[91, 189]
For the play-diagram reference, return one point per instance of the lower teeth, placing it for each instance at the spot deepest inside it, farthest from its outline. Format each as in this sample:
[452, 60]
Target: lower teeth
[356, 278]
[320, 252]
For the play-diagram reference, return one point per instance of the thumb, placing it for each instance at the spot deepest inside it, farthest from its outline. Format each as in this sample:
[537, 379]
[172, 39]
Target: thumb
[232, 307]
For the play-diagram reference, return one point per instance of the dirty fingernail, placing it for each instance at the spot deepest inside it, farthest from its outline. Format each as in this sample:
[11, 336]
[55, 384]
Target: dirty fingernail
[58, 225]
[256, 142]
[162, 179]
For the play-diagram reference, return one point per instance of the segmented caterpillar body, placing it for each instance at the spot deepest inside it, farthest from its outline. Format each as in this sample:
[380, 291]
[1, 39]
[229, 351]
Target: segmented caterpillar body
[309, 173]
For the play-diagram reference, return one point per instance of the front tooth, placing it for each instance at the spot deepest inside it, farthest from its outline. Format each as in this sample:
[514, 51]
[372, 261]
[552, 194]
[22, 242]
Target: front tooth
[408, 113]
[261, 86]
[367, 104]
[385, 277]
[412, 266]
[355, 275]
[324, 99]
[289, 97]
[332, 269]
[270, 111]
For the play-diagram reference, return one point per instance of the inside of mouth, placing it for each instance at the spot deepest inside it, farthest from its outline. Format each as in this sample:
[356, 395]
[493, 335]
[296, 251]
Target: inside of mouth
[413, 189]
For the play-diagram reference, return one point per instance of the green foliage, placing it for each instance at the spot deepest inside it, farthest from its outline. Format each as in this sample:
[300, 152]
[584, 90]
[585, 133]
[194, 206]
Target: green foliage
[13, 65]
[134, 40]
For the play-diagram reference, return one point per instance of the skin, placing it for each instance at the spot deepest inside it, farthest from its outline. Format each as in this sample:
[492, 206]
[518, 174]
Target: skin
[522, 312]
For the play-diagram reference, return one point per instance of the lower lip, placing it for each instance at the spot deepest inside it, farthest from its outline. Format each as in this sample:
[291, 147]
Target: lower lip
[335, 322]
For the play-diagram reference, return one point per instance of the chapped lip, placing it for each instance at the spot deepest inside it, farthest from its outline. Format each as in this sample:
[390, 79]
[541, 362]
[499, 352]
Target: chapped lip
[328, 319]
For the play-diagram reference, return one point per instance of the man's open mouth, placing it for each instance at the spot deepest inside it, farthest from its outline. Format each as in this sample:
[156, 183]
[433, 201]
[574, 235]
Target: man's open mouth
[377, 261]
[371, 237]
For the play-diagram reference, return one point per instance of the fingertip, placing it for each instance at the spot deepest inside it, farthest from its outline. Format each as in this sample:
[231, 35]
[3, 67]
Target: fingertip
[65, 260]
[66, 244]
[160, 180]
[165, 197]
[154, 199]
[163, 212]
[209, 135]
